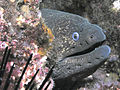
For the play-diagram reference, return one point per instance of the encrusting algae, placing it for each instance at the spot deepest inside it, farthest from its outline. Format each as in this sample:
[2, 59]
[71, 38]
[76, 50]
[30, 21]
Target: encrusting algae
[24, 31]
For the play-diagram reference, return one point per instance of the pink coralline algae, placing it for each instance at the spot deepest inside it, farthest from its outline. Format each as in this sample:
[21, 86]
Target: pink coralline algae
[20, 30]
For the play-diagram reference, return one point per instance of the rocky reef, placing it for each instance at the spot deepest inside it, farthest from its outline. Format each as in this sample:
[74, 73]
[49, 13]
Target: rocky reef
[19, 23]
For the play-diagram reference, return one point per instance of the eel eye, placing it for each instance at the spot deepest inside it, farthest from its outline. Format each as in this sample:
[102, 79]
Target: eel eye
[75, 36]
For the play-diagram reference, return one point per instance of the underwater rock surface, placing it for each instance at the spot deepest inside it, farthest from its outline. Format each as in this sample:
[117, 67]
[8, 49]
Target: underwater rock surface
[98, 12]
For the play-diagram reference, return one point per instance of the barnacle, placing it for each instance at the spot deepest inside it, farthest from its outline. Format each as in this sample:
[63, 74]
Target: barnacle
[116, 5]
[12, 1]
[20, 20]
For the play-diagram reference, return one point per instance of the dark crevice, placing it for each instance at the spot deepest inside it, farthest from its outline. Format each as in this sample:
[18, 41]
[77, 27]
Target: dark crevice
[87, 50]
[89, 62]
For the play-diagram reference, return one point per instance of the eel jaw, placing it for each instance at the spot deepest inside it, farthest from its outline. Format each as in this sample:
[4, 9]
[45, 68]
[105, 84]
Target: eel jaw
[82, 65]
[77, 52]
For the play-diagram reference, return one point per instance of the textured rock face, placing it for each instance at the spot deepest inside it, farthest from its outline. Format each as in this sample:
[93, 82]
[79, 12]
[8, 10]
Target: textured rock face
[72, 6]
[56, 4]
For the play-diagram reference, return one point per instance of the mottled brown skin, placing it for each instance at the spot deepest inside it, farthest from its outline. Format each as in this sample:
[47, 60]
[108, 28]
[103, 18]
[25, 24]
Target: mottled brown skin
[74, 57]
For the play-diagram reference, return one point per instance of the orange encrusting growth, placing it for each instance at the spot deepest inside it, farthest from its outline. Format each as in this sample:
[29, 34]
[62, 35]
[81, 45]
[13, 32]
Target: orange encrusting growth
[50, 34]
[25, 1]
[43, 51]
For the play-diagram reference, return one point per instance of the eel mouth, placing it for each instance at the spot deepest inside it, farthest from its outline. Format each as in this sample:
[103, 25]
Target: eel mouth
[92, 48]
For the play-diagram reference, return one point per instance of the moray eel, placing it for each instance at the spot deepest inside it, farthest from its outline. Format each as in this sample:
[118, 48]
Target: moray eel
[77, 46]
